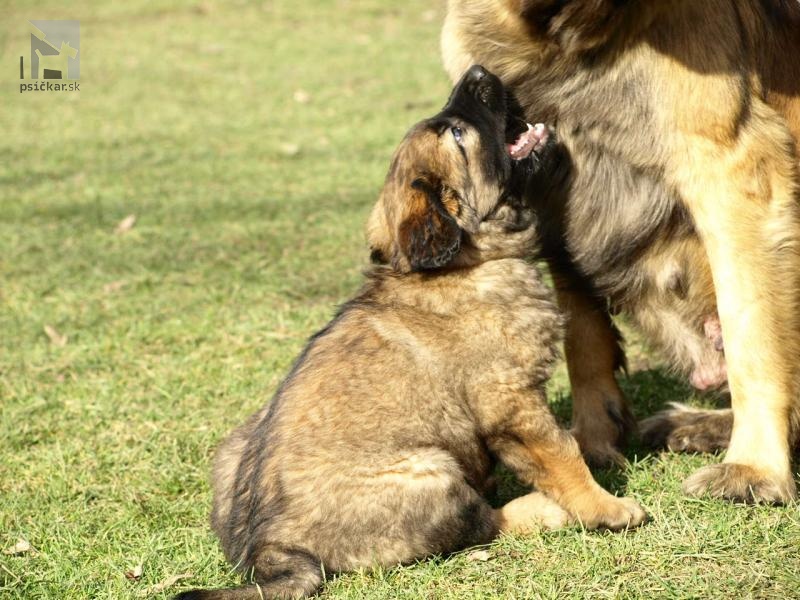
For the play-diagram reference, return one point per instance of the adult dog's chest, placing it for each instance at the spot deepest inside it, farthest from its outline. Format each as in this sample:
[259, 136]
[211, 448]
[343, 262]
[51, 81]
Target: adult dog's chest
[610, 200]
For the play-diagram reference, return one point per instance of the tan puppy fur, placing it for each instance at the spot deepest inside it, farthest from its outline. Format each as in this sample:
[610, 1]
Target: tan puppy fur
[378, 446]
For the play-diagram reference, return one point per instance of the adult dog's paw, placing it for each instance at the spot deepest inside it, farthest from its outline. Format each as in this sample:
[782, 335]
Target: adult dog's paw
[685, 429]
[740, 483]
[599, 452]
[601, 432]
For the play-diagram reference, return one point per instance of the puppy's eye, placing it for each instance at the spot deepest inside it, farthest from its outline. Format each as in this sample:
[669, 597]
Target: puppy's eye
[456, 131]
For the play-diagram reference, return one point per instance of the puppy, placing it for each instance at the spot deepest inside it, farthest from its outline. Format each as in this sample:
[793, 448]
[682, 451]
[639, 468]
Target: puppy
[378, 446]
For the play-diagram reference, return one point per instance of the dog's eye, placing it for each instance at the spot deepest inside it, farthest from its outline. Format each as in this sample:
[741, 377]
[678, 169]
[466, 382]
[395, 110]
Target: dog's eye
[456, 131]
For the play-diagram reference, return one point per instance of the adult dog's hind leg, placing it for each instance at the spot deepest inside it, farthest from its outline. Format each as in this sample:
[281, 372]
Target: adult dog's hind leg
[601, 416]
[742, 194]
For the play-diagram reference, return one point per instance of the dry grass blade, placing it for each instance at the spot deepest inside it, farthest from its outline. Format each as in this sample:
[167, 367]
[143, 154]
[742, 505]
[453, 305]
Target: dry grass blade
[479, 556]
[126, 224]
[166, 584]
[135, 573]
[301, 96]
[21, 547]
[54, 336]
[114, 286]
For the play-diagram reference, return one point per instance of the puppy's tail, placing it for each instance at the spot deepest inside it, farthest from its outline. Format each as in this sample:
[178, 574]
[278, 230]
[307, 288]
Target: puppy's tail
[279, 574]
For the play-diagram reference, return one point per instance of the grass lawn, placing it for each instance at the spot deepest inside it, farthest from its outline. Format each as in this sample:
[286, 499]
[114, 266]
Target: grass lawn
[249, 140]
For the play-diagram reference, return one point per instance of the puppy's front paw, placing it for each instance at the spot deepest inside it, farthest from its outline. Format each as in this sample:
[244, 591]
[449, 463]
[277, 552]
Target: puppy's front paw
[740, 483]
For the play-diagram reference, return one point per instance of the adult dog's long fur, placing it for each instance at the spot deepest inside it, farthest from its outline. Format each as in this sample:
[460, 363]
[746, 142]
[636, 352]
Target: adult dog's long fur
[678, 201]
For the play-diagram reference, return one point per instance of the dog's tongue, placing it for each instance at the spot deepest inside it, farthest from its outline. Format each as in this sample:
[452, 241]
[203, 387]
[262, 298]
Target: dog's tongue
[533, 139]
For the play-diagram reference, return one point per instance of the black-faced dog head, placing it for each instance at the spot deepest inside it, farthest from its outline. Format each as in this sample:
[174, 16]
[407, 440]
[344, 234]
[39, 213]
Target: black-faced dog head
[455, 173]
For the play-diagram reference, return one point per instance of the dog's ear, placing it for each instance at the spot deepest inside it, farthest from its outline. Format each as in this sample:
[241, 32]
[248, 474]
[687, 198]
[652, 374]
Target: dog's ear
[379, 235]
[415, 225]
[576, 25]
[540, 14]
[428, 235]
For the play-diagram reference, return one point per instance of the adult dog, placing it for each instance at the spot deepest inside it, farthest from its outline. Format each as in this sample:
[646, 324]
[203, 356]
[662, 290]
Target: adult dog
[376, 448]
[678, 202]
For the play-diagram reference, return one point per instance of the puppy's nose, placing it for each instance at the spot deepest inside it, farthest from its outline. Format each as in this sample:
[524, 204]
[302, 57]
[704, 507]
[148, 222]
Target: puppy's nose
[476, 73]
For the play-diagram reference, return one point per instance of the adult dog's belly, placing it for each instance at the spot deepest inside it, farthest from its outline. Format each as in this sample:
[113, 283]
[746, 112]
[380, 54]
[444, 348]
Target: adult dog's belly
[611, 214]
[621, 228]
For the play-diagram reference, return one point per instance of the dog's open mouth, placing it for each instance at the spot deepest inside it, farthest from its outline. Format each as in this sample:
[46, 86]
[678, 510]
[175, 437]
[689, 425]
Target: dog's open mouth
[533, 139]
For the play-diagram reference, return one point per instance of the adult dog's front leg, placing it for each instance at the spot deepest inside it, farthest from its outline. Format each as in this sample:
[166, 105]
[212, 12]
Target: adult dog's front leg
[601, 416]
[742, 194]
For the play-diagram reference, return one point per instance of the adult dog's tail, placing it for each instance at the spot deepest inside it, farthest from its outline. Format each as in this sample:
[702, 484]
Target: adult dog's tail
[279, 573]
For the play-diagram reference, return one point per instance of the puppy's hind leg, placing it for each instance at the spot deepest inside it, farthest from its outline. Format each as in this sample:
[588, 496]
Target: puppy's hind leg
[529, 513]
[449, 515]
[412, 506]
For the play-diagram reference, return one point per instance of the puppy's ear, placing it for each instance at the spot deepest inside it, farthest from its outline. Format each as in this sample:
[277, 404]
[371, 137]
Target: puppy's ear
[378, 234]
[428, 236]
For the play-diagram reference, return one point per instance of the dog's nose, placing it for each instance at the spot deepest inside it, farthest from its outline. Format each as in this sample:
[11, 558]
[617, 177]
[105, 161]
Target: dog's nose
[476, 73]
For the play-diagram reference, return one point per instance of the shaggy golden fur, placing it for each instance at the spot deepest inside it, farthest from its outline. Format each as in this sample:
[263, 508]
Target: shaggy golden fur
[378, 446]
[677, 201]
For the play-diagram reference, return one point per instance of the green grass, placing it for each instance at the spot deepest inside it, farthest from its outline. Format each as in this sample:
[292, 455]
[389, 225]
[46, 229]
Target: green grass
[250, 200]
